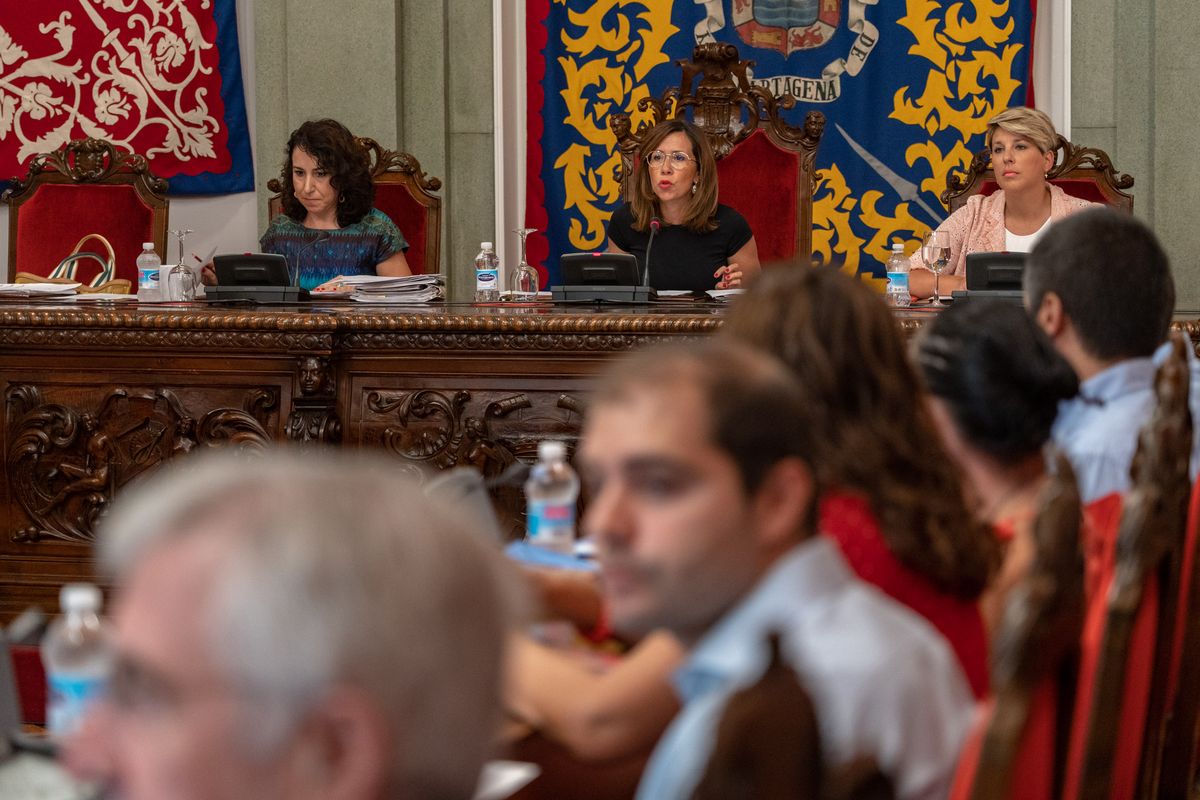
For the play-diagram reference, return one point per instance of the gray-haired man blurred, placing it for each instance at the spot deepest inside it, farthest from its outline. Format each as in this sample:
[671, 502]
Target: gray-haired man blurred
[293, 627]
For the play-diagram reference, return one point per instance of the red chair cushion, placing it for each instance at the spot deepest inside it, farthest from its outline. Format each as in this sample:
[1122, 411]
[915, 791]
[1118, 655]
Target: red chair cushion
[1185, 588]
[1135, 692]
[759, 180]
[58, 215]
[1032, 773]
[394, 200]
[1100, 520]
[31, 683]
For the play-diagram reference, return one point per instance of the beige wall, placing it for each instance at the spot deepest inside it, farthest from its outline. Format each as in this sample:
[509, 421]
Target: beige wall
[384, 69]
[1136, 93]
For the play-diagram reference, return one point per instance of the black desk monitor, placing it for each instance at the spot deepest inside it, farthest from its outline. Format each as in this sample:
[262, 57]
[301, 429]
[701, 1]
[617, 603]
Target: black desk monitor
[251, 269]
[995, 271]
[600, 269]
[601, 278]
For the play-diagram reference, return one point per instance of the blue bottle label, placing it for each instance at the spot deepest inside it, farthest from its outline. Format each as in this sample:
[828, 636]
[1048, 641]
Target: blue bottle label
[68, 700]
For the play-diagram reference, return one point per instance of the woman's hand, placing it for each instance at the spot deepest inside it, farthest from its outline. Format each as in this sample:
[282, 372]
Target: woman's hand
[728, 276]
[208, 275]
[332, 285]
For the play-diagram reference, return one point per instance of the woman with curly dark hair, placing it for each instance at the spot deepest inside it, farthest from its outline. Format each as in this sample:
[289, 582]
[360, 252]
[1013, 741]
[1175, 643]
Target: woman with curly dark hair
[329, 227]
[895, 501]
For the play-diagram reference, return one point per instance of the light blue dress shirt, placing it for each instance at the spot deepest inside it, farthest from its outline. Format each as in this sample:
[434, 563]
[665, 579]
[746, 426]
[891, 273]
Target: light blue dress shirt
[1098, 430]
[883, 681]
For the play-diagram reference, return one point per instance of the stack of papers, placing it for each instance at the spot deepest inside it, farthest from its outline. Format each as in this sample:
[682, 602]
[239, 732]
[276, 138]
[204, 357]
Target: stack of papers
[724, 295]
[409, 289]
[40, 291]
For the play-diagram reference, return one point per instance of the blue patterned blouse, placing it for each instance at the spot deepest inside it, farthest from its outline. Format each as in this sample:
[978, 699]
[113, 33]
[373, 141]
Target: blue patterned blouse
[322, 255]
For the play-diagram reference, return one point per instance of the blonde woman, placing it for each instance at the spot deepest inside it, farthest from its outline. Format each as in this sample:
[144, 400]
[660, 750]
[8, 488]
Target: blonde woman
[1022, 143]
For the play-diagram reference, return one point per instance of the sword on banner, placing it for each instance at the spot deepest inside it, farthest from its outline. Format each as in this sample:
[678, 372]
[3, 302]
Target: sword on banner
[906, 189]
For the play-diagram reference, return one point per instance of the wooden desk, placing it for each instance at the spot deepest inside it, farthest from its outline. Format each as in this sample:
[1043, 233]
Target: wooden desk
[94, 397]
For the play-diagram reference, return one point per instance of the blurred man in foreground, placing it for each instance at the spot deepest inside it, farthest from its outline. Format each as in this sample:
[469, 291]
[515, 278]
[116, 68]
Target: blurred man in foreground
[293, 627]
[702, 498]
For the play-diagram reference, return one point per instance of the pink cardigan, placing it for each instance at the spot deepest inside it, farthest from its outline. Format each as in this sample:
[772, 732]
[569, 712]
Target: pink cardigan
[978, 227]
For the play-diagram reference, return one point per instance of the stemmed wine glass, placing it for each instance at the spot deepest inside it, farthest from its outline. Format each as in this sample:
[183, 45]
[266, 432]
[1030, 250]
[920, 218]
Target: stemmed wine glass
[523, 281]
[935, 252]
[181, 281]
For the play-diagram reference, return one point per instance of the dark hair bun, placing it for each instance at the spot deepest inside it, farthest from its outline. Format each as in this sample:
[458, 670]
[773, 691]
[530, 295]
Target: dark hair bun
[999, 375]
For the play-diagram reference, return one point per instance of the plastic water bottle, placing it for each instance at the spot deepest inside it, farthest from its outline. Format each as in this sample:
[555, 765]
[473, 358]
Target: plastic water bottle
[898, 294]
[77, 653]
[487, 274]
[550, 495]
[148, 266]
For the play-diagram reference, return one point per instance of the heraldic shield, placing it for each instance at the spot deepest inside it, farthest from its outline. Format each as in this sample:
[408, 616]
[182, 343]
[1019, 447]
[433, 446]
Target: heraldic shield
[786, 25]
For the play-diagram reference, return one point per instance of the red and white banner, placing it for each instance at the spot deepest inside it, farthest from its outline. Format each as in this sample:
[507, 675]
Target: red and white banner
[159, 77]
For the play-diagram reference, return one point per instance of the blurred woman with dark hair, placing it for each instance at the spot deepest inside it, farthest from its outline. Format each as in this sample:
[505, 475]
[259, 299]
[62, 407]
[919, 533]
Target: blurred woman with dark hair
[895, 502]
[329, 228]
[995, 382]
[701, 244]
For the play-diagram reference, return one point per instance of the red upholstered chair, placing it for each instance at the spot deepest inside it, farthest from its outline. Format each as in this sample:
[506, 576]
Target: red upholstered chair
[1020, 743]
[1084, 172]
[1125, 699]
[85, 186]
[765, 166]
[405, 193]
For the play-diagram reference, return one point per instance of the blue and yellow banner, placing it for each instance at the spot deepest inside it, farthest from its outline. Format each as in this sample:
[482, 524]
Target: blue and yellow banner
[907, 87]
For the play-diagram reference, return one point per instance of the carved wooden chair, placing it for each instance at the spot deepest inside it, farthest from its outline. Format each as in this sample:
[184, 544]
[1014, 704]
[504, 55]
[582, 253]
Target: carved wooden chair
[1020, 747]
[406, 194]
[768, 744]
[1125, 700]
[86, 186]
[1084, 172]
[765, 166]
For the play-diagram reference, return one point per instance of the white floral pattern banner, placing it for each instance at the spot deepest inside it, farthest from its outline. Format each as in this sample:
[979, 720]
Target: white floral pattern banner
[159, 77]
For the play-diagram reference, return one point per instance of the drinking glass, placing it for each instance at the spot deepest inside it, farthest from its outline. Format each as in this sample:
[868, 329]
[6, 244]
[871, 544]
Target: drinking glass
[181, 281]
[935, 252]
[523, 281]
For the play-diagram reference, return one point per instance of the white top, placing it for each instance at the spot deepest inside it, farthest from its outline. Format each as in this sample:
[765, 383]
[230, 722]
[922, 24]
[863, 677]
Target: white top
[884, 682]
[1023, 244]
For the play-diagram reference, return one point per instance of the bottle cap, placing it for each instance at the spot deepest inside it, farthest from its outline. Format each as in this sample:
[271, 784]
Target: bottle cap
[551, 450]
[79, 597]
[147, 245]
[897, 246]
[485, 245]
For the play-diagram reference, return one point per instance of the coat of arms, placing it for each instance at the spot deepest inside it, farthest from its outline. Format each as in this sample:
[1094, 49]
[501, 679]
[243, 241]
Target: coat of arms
[786, 25]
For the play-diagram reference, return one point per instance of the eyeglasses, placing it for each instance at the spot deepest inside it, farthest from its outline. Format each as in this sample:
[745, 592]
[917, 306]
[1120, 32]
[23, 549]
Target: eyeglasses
[678, 159]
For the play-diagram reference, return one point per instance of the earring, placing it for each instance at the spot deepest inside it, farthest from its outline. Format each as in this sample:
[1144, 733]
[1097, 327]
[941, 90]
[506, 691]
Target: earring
[341, 199]
[694, 184]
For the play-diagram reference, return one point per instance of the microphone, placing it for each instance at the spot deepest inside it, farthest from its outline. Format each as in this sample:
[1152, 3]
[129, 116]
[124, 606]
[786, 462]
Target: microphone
[320, 237]
[655, 224]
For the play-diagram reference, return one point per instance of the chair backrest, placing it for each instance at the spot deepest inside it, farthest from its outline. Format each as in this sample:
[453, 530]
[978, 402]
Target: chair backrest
[406, 194]
[1020, 750]
[765, 166]
[86, 186]
[1127, 699]
[1084, 172]
[773, 716]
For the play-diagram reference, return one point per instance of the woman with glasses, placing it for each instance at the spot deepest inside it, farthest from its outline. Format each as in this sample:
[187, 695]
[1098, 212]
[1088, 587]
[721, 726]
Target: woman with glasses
[700, 244]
